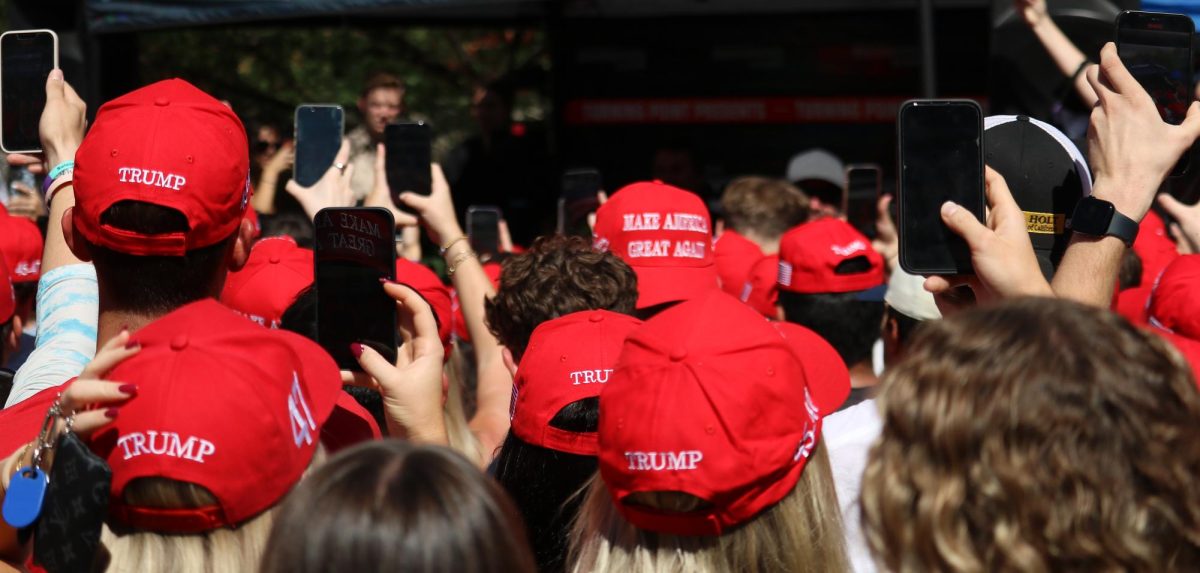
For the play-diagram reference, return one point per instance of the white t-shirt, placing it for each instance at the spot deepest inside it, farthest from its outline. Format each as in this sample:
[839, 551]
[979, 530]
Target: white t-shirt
[848, 436]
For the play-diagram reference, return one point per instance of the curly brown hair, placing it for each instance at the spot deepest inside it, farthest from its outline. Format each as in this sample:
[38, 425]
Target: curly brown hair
[763, 205]
[557, 276]
[1036, 435]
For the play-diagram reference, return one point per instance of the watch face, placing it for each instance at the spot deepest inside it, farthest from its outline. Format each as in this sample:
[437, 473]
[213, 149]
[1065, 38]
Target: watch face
[1092, 216]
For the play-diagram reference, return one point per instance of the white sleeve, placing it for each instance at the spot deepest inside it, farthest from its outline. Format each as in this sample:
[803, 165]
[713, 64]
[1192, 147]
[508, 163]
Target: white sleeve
[68, 307]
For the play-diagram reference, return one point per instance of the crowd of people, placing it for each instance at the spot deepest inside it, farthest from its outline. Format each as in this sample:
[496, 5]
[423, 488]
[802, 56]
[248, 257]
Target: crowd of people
[761, 391]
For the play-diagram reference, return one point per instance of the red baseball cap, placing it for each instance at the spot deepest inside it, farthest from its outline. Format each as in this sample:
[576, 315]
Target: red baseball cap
[734, 256]
[568, 359]
[728, 416]
[1131, 304]
[824, 370]
[21, 244]
[222, 404]
[760, 290]
[8, 298]
[430, 287]
[810, 256]
[1154, 247]
[1174, 305]
[168, 144]
[276, 271]
[665, 234]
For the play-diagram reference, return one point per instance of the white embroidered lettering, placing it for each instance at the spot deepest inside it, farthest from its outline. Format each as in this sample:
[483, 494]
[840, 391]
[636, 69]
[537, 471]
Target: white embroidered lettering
[659, 461]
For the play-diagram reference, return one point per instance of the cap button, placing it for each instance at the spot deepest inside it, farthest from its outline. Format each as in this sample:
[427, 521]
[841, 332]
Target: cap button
[596, 317]
[179, 342]
[274, 259]
[162, 102]
[678, 354]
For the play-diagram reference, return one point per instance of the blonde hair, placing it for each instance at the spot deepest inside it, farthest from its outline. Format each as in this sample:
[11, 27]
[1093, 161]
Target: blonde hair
[803, 532]
[225, 549]
[458, 429]
[1035, 436]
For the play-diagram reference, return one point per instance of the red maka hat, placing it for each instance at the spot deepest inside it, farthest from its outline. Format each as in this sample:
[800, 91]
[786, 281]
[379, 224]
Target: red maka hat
[760, 290]
[725, 414]
[824, 370]
[21, 244]
[171, 145]
[276, 271]
[568, 359]
[1175, 300]
[665, 234]
[810, 256]
[1154, 247]
[223, 404]
[734, 256]
[430, 287]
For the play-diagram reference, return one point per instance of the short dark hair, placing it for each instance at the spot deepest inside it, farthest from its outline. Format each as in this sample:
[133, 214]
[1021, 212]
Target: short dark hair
[383, 80]
[155, 284]
[557, 276]
[393, 506]
[905, 325]
[851, 326]
[543, 483]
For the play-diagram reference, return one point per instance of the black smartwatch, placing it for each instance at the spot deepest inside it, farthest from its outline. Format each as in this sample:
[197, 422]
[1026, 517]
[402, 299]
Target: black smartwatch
[1099, 218]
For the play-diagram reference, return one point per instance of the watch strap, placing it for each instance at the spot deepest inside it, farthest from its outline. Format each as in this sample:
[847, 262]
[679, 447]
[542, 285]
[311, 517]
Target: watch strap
[1123, 228]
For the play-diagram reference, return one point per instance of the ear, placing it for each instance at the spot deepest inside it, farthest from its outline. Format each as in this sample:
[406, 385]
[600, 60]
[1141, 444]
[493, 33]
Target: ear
[241, 245]
[77, 244]
[508, 361]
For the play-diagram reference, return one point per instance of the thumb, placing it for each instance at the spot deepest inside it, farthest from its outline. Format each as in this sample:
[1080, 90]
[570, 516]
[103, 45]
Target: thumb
[55, 85]
[1172, 205]
[964, 223]
[1191, 123]
[294, 189]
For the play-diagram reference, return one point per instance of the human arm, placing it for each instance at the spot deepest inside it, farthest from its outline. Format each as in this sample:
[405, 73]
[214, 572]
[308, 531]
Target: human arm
[1067, 57]
[1131, 150]
[494, 390]
[263, 200]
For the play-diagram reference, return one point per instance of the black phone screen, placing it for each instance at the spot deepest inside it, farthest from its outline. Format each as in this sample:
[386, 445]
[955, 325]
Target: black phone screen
[1157, 51]
[579, 197]
[941, 160]
[862, 195]
[408, 159]
[26, 59]
[318, 138]
[353, 249]
[483, 226]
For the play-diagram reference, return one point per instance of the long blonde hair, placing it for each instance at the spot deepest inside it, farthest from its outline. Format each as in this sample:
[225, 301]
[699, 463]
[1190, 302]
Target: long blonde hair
[803, 532]
[458, 429]
[225, 549]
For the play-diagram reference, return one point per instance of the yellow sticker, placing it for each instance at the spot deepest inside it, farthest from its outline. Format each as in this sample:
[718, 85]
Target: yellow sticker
[1045, 223]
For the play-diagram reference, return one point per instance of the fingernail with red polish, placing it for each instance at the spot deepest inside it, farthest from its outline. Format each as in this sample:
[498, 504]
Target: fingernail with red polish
[110, 413]
[356, 349]
[130, 389]
[132, 344]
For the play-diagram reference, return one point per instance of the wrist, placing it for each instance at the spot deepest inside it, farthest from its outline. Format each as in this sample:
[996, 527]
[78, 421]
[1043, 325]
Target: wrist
[441, 235]
[1131, 198]
[57, 153]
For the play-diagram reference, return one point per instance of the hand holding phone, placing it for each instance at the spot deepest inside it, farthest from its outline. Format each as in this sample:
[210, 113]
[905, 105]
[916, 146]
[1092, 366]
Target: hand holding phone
[941, 159]
[26, 59]
[1157, 50]
[353, 249]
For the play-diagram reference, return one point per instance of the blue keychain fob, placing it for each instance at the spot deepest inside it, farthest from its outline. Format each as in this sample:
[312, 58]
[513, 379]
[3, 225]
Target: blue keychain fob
[23, 501]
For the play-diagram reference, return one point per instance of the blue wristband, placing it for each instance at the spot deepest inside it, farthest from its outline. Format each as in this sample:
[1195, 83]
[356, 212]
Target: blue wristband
[61, 168]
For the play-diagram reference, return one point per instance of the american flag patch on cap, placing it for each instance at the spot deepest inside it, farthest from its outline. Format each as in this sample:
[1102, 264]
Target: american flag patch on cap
[785, 273]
